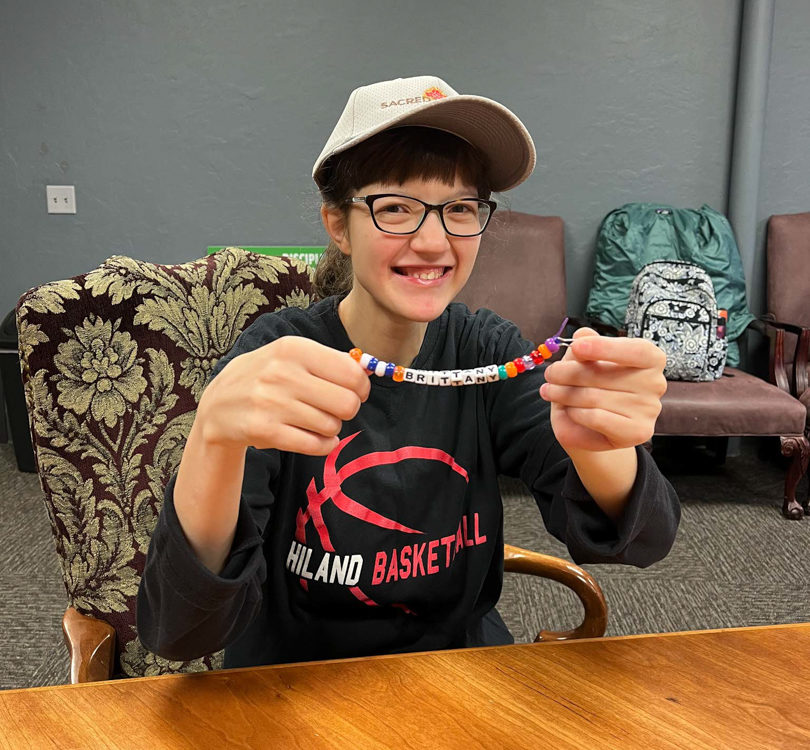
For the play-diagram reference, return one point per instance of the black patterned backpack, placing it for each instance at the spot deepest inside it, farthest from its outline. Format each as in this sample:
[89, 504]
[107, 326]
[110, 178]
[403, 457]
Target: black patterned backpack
[672, 304]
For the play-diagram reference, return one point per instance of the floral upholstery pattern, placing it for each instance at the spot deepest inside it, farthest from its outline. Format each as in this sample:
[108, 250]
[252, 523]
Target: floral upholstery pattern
[114, 363]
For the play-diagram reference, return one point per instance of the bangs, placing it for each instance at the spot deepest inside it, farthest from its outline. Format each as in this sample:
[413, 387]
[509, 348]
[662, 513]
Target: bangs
[401, 154]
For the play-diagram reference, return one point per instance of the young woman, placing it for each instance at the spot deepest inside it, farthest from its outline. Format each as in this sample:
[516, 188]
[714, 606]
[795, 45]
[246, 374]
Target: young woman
[322, 512]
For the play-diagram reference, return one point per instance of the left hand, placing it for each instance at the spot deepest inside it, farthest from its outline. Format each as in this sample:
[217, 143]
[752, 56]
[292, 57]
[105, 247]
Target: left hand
[605, 393]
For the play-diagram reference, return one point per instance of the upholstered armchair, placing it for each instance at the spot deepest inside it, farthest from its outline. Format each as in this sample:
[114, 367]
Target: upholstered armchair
[741, 404]
[113, 364]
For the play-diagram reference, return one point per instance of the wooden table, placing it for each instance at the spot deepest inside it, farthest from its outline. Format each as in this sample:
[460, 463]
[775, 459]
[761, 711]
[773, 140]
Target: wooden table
[739, 688]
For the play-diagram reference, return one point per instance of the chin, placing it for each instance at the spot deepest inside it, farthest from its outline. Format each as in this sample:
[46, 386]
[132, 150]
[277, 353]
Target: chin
[424, 313]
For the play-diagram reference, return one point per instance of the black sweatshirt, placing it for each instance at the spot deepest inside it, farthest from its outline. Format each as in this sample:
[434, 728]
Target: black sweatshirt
[393, 542]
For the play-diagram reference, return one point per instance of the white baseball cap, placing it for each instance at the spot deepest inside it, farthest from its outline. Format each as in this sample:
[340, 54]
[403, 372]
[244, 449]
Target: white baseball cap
[428, 101]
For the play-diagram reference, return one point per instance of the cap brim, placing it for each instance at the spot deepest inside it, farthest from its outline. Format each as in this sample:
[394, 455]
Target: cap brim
[494, 130]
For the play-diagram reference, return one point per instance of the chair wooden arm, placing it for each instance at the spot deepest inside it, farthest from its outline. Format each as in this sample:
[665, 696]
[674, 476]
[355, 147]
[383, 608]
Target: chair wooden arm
[777, 372]
[801, 371]
[517, 560]
[790, 327]
[91, 645]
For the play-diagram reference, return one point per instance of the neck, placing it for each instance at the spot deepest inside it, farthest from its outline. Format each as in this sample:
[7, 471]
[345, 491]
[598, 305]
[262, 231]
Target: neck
[386, 338]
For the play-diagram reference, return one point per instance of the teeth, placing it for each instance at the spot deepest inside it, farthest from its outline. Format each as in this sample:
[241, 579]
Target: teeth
[426, 275]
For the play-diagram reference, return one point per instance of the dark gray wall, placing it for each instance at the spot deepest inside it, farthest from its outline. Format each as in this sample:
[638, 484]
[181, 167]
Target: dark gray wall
[184, 123]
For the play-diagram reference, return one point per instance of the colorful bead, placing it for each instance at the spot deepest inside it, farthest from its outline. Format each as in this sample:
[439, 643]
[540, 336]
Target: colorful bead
[473, 376]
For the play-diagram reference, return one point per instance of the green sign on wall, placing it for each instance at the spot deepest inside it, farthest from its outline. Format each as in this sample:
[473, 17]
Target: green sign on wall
[309, 254]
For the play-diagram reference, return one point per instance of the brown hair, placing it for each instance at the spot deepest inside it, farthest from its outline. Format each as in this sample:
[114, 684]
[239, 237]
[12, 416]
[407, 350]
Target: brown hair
[391, 157]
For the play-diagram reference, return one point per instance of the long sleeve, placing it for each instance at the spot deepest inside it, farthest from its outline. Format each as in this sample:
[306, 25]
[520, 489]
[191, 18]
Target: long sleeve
[526, 446]
[184, 611]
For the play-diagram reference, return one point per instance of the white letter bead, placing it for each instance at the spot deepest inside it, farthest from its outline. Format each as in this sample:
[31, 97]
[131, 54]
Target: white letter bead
[472, 376]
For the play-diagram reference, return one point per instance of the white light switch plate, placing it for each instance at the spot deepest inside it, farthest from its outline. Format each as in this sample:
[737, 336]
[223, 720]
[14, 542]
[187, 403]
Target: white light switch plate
[61, 199]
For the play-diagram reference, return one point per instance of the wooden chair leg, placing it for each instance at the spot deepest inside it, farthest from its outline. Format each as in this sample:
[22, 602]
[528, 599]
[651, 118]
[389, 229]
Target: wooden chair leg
[91, 644]
[799, 449]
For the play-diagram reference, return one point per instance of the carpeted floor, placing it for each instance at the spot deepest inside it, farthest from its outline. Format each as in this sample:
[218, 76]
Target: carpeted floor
[735, 562]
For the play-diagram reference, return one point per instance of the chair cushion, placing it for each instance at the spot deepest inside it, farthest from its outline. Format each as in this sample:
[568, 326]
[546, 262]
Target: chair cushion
[735, 404]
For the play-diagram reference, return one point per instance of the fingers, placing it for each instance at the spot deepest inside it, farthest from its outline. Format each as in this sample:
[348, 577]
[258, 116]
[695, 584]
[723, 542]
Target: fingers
[581, 438]
[620, 402]
[635, 352]
[331, 398]
[607, 376]
[606, 392]
[293, 357]
[292, 425]
[620, 431]
[339, 368]
[295, 440]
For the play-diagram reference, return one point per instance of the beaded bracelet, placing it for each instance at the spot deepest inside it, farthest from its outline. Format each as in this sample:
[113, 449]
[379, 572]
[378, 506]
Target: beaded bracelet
[476, 376]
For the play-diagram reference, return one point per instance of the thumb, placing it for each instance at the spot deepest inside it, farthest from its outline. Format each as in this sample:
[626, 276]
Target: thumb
[580, 333]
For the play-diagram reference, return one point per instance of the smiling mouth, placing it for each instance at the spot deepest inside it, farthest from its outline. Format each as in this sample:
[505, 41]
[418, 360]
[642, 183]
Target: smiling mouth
[424, 273]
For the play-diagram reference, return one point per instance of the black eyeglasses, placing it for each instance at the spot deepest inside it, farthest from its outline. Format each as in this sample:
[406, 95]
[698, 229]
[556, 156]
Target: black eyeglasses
[401, 214]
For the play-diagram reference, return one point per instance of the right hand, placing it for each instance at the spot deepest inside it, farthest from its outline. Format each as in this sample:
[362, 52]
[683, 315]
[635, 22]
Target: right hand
[292, 394]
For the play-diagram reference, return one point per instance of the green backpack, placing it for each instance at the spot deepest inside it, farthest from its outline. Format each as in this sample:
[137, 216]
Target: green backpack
[636, 234]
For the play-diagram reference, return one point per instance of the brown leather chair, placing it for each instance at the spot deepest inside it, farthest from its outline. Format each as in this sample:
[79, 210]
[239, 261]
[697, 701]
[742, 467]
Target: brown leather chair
[740, 404]
[788, 305]
[520, 273]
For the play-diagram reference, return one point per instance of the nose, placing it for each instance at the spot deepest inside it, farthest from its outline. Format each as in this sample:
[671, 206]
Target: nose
[430, 237]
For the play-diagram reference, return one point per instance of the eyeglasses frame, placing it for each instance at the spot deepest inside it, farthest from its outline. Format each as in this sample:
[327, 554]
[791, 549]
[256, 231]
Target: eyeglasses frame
[438, 207]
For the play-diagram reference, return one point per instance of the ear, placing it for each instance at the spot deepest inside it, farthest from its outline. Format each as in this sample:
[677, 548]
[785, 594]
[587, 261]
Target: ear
[334, 221]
